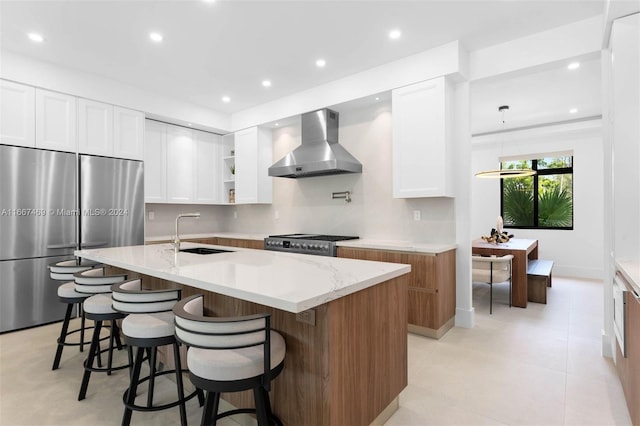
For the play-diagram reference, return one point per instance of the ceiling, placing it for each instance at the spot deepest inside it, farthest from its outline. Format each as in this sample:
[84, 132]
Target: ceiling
[227, 48]
[551, 94]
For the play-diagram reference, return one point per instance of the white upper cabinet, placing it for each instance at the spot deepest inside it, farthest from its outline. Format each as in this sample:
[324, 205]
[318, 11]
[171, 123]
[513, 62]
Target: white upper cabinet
[421, 147]
[207, 184]
[95, 128]
[17, 114]
[253, 156]
[155, 162]
[128, 133]
[180, 164]
[56, 121]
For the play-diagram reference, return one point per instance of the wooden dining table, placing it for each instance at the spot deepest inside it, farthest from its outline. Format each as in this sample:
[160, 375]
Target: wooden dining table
[522, 250]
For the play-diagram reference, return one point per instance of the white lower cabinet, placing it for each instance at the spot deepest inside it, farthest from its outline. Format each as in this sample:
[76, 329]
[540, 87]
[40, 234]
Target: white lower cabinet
[17, 114]
[56, 121]
[422, 149]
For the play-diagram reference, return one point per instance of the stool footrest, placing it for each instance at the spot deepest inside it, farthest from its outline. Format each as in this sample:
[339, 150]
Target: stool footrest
[276, 420]
[156, 407]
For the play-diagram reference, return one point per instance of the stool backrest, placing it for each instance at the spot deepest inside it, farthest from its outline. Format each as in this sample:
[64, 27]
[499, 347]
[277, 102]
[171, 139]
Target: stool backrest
[63, 270]
[96, 280]
[193, 328]
[129, 297]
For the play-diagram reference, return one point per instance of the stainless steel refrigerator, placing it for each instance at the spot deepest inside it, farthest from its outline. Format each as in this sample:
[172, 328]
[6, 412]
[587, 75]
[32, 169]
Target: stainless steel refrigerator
[50, 204]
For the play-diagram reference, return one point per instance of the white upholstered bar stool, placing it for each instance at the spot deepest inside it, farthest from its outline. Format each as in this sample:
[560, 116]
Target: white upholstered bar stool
[63, 271]
[96, 283]
[230, 355]
[149, 325]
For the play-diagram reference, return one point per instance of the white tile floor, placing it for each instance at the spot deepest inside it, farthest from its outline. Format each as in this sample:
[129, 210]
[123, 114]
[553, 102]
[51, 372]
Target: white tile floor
[534, 366]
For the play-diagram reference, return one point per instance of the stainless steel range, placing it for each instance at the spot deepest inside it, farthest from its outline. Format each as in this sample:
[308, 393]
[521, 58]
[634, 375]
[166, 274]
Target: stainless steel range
[321, 245]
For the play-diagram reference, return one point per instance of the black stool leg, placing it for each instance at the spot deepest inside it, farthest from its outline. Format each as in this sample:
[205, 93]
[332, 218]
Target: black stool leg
[110, 351]
[210, 409]
[183, 408]
[261, 411]
[95, 347]
[63, 336]
[152, 376]
[117, 334]
[133, 387]
[82, 321]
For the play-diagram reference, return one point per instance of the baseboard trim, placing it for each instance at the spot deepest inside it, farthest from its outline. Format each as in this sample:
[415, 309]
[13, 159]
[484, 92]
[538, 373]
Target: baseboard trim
[432, 332]
[465, 318]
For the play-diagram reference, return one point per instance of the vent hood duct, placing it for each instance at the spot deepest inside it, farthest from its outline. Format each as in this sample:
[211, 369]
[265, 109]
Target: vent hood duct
[319, 154]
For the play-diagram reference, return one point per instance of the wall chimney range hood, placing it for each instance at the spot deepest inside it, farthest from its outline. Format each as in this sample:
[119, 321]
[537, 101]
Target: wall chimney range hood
[319, 154]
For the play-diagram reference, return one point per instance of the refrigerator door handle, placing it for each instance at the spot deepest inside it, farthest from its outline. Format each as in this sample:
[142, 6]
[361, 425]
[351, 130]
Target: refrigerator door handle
[96, 244]
[61, 246]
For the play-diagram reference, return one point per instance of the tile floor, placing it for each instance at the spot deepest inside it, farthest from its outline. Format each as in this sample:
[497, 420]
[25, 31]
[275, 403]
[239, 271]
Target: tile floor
[534, 366]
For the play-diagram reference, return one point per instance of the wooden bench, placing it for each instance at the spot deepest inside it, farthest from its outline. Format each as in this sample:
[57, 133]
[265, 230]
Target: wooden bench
[538, 279]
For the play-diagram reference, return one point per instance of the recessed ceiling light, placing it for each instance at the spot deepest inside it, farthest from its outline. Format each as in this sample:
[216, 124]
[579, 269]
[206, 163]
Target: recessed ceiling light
[377, 98]
[189, 124]
[266, 83]
[209, 1]
[226, 99]
[277, 124]
[573, 65]
[321, 63]
[573, 110]
[394, 34]
[35, 37]
[157, 37]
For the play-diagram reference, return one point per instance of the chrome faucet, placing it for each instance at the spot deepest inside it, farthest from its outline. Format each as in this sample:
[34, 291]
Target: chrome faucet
[176, 242]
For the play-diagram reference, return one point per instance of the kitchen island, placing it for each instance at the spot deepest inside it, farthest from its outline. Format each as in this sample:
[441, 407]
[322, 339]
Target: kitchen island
[344, 321]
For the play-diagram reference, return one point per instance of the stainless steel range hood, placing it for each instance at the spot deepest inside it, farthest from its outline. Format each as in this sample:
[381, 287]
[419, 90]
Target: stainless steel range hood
[319, 154]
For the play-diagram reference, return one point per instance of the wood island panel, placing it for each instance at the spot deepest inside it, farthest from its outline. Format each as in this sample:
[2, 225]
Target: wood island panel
[344, 370]
[629, 367]
[237, 242]
[431, 288]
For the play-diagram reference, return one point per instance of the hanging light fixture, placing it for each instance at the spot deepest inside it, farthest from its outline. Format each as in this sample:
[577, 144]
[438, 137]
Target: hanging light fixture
[505, 173]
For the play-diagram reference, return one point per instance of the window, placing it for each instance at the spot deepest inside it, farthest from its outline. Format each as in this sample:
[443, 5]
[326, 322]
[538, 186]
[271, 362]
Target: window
[541, 201]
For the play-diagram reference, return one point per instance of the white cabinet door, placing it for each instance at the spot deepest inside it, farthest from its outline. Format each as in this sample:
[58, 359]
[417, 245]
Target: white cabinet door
[128, 133]
[253, 156]
[421, 149]
[17, 114]
[95, 128]
[56, 118]
[180, 165]
[207, 182]
[155, 162]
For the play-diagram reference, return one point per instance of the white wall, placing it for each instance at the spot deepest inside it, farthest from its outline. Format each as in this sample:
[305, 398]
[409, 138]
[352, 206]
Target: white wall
[305, 205]
[576, 252]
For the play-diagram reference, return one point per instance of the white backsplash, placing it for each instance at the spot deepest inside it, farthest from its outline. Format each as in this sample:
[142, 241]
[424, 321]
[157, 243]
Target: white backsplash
[305, 205]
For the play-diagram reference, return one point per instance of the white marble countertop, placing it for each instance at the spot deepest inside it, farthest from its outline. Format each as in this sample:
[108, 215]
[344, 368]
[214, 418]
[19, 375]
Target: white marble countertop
[367, 243]
[287, 281]
[630, 269]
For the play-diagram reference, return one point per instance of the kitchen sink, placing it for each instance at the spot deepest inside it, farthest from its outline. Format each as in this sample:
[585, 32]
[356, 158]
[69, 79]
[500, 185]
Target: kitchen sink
[204, 250]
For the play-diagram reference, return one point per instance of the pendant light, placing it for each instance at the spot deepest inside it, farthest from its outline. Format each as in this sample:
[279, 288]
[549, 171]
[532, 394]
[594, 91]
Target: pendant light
[505, 173]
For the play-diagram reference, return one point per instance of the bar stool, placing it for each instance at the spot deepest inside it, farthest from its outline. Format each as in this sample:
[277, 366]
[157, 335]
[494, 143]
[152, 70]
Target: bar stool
[148, 326]
[230, 355]
[96, 283]
[63, 271]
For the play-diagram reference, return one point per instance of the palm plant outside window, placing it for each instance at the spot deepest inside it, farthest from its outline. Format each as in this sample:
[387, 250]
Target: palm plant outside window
[541, 201]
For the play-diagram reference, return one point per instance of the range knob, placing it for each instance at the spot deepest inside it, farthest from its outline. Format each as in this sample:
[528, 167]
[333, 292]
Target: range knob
[304, 245]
